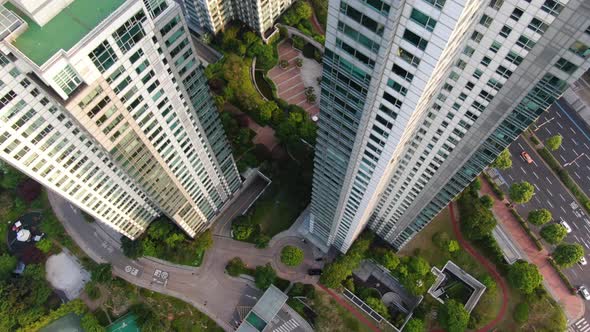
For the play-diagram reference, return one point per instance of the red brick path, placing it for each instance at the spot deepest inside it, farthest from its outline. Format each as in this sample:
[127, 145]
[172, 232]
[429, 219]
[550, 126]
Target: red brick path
[289, 83]
[572, 304]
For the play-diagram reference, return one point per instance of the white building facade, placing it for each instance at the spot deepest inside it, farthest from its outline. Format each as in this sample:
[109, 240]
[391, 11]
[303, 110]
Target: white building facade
[419, 96]
[114, 113]
[213, 15]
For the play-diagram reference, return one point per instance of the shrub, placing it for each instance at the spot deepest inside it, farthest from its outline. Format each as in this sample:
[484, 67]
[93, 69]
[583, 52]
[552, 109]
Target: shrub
[291, 256]
[242, 231]
[487, 201]
[378, 305]
[264, 276]
[495, 187]
[92, 290]
[45, 245]
[503, 161]
[283, 63]
[535, 140]
[298, 42]
[298, 62]
[539, 217]
[414, 325]
[102, 272]
[132, 249]
[521, 312]
[452, 316]
[235, 267]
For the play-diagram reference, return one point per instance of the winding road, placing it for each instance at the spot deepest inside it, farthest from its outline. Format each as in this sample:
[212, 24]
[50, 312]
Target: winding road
[207, 287]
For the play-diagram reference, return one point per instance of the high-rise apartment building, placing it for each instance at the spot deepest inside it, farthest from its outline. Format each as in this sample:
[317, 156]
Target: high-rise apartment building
[213, 15]
[419, 96]
[105, 103]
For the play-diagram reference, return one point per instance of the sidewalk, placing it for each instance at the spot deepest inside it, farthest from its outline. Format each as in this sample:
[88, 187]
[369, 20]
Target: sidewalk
[572, 304]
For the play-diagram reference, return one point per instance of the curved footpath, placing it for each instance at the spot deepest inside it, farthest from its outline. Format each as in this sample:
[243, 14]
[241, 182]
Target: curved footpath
[488, 265]
[207, 287]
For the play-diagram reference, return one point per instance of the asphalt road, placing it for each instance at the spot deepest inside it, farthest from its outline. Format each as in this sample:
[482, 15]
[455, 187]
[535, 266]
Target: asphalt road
[563, 120]
[552, 195]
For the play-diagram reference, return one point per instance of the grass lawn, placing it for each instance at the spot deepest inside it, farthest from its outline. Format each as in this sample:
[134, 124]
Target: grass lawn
[332, 317]
[276, 210]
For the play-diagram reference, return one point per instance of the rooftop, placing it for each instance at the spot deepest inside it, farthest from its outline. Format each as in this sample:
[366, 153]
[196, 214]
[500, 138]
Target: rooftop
[63, 31]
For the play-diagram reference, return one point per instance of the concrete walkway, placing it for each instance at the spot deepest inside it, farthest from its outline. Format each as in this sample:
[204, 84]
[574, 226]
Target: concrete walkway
[572, 304]
[207, 287]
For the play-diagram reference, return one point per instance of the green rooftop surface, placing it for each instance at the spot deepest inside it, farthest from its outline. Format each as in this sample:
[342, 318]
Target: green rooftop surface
[65, 30]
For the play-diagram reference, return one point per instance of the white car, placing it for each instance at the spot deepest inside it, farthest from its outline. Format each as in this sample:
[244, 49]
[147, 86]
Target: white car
[584, 292]
[566, 226]
[583, 260]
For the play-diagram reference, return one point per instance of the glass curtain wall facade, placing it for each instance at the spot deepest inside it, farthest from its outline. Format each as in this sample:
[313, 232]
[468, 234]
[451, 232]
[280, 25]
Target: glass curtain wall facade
[449, 84]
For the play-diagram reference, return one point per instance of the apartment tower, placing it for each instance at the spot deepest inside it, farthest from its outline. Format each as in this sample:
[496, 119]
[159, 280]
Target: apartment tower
[105, 103]
[212, 15]
[419, 96]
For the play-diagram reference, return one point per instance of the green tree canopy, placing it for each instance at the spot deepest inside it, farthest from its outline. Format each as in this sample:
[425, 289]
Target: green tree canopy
[478, 223]
[504, 160]
[45, 245]
[386, 257]
[242, 231]
[521, 192]
[568, 254]
[554, 142]
[264, 276]
[291, 256]
[378, 306]
[524, 277]
[521, 312]
[132, 249]
[7, 265]
[452, 316]
[540, 217]
[487, 201]
[554, 233]
[102, 272]
[204, 241]
[414, 325]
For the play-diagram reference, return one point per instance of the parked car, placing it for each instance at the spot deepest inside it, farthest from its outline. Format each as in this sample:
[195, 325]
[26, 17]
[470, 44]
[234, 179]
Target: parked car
[583, 260]
[584, 292]
[566, 226]
[314, 272]
[526, 157]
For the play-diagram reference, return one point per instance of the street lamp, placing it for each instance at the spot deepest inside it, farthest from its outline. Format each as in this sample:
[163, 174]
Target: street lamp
[544, 123]
[573, 161]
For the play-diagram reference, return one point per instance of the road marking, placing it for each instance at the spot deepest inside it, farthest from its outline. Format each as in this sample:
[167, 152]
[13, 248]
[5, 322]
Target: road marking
[586, 145]
[575, 226]
[575, 152]
[550, 194]
[576, 174]
[534, 184]
[588, 177]
[562, 158]
[511, 178]
[562, 209]
[560, 195]
[537, 199]
[573, 140]
[586, 227]
[549, 203]
[520, 146]
[535, 174]
[548, 180]
[560, 126]
[573, 131]
[547, 130]
[522, 169]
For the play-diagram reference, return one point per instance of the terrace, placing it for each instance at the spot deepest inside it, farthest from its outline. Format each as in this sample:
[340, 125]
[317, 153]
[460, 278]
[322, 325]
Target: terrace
[66, 29]
[454, 283]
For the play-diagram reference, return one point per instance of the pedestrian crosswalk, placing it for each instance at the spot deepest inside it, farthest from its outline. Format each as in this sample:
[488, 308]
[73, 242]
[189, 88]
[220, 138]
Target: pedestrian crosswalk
[288, 326]
[580, 326]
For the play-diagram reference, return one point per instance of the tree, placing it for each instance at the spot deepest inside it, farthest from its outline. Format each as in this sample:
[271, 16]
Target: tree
[92, 290]
[174, 239]
[568, 254]
[267, 109]
[102, 272]
[249, 38]
[524, 277]
[478, 223]
[452, 316]
[521, 192]
[291, 256]
[503, 161]
[539, 217]
[264, 276]
[7, 265]
[414, 325]
[204, 241]
[235, 267]
[487, 201]
[303, 10]
[132, 249]
[334, 274]
[521, 312]
[453, 246]
[45, 245]
[378, 305]
[387, 258]
[242, 231]
[90, 323]
[554, 142]
[554, 233]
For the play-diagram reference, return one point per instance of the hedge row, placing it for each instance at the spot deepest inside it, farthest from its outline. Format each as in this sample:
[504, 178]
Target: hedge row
[563, 277]
[534, 139]
[495, 188]
[565, 178]
[527, 229]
